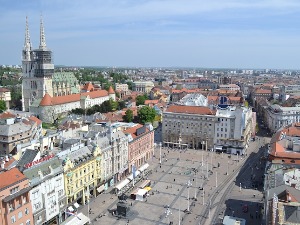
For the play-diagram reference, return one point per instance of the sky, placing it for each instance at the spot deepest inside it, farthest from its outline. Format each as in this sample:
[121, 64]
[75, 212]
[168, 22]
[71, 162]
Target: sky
[157, 33]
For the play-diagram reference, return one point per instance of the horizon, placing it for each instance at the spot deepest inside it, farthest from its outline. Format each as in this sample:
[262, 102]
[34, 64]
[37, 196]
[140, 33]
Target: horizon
[157, 34]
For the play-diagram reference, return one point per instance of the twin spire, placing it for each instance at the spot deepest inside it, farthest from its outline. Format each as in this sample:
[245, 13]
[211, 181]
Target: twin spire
[27, 44]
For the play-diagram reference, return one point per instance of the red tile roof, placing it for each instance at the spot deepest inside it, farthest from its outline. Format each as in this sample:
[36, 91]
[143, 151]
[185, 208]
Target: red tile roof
[132, 130]
[88, 87]
[263, 91]
[278, 150]
[10, 177]
[7, 115]
[58, 100]
[35, 119]
[201, 110]
[4, 89]
[46, 101]
[111, 90]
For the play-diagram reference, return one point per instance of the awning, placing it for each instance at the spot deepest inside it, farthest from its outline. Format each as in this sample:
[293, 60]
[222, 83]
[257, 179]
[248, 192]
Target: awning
[76, 205]
[79, 219]
[71, 209]
[143, 167]
[101, 188]
[122, 184]
[131, 175]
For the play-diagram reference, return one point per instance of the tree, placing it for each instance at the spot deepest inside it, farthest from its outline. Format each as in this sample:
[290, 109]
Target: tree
[2, 105]
[140, 99]
[146, 114]
[128, 117]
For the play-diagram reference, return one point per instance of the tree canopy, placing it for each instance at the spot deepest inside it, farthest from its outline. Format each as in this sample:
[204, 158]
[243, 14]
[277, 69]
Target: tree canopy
[146, 114]
[128, 117]
[2, 105]
[140, 99]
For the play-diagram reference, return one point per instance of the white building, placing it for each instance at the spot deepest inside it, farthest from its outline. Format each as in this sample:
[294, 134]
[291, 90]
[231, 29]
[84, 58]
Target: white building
[227, 129]
[233, 129]
[47, 195]
[287, 91]
[229, 87]
[121, 87]
[142, 86]
[278, 116]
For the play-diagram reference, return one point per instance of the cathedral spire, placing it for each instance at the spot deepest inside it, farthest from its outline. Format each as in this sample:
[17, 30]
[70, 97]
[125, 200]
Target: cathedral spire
[27, 43]
[42, 35]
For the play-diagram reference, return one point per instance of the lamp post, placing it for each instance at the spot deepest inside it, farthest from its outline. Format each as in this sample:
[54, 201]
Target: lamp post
[160, 152]
[196, 184]
[188, 198]
[207, 169]
[168, 212]
[179, 142]
[87, 194]
[211, 165]
[227, 167]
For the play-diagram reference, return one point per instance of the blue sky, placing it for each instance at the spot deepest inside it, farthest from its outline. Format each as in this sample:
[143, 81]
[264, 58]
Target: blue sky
[157, 33]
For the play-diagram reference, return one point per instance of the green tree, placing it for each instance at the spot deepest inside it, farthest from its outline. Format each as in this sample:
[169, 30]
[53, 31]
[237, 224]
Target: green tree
[140, 99]
[129, 83]
[128, 117]
[146, 114]
[122, 104]
[2, 105]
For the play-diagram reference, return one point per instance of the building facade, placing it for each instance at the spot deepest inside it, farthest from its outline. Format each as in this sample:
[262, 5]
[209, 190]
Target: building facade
[5, 96]
[47, 195]
[233, 129]
[15, 204]
[278, 116]
[189, 126]
[15, 130]
[141, 145]
[142, 86]
[82, 173]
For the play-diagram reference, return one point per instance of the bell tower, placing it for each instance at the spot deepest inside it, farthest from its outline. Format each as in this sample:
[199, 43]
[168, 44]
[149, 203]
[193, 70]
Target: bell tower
[37, 68]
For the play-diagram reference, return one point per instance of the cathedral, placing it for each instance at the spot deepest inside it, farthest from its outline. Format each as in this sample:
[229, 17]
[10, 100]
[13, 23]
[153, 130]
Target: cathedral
[48, 94]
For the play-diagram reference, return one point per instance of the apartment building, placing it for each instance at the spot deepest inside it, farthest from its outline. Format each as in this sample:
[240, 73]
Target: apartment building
[15, 204]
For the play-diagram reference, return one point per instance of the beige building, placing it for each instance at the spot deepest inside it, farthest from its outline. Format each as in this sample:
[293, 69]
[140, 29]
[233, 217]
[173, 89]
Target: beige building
[5, 96]
[143, 86]
[82, 172]
[14, 131]
[226, 129]
[189, 126]
[121, 87]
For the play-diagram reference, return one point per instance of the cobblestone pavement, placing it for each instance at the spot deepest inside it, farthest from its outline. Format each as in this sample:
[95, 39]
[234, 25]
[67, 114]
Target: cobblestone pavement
[169, 188]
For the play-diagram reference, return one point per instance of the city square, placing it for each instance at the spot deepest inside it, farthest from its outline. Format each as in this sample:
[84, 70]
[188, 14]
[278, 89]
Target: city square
[180, 191]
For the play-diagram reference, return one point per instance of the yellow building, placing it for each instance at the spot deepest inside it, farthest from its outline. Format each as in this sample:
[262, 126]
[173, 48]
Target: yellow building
[82, 174]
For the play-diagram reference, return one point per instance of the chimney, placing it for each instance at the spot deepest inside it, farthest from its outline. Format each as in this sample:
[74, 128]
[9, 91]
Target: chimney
[6, 158]
[2, 165]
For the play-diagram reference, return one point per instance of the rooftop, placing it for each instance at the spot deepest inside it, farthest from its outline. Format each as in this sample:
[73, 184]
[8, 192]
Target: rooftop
[200, 110]
[10, 177]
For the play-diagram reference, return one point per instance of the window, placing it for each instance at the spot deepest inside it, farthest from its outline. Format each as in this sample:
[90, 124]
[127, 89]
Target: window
[13, 219]
[20, 214]
[28, 222]
[14, 190]
[26, 211]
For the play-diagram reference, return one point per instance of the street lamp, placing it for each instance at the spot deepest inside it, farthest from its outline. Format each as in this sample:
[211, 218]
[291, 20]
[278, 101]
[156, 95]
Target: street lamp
[168, 212]
[160, 152]
[189, 184]
[196, 183]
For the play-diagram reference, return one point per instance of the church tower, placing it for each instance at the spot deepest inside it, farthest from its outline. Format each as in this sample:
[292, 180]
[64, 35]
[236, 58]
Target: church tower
[37, 68]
